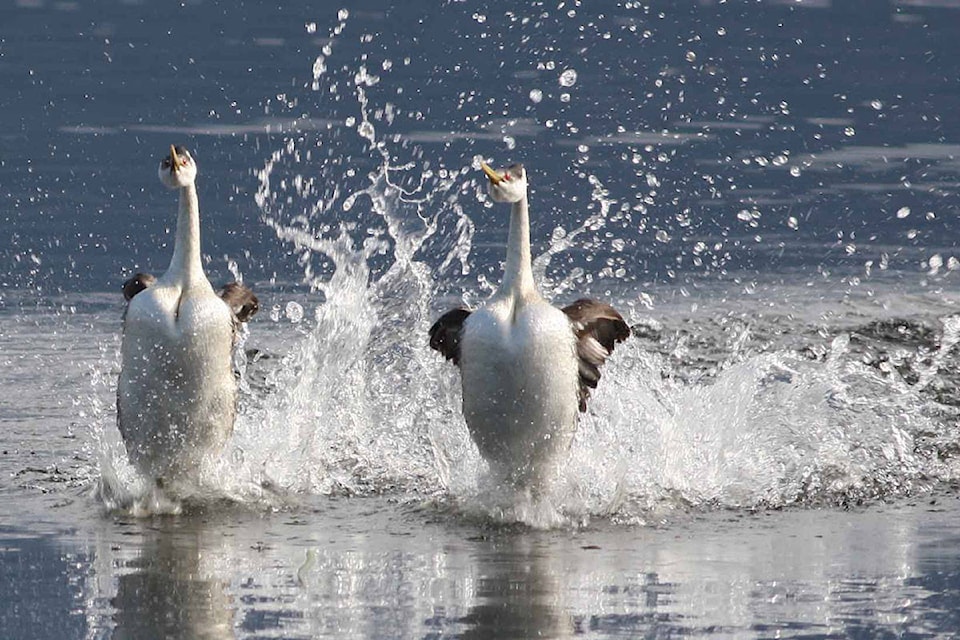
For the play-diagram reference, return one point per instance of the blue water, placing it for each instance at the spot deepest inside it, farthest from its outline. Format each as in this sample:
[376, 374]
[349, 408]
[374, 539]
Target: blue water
[767, 190]
[687, 115]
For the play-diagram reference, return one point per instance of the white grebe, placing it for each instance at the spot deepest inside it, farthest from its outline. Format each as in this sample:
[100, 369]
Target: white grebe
[526, 366]
[176, 398]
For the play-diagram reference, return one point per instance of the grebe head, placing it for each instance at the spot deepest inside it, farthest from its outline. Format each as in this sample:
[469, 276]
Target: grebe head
[177, 169]
[507, 185]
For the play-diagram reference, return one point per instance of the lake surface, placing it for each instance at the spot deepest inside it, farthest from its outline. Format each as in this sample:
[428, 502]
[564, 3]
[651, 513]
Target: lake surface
[767, 191]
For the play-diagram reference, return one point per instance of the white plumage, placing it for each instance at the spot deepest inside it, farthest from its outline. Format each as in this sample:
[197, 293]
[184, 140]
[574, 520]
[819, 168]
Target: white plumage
[518, 367]
[176, 398]
[526, 367]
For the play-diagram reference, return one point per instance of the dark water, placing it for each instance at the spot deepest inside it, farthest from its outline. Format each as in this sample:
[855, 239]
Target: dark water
[689, 114]
[767, 190]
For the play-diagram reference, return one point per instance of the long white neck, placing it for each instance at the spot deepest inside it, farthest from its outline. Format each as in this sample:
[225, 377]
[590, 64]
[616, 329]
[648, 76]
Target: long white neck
[185, 265]
[518, 274]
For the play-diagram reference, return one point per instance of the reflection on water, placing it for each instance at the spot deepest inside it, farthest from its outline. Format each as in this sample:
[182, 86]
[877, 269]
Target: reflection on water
[518, 591]
[167, 591]
[371, 568]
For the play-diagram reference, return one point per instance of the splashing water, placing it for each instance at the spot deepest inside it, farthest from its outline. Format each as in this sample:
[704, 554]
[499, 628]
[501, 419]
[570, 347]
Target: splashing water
[359, 402]
[353, 401]
[772, 430]
[371, 408]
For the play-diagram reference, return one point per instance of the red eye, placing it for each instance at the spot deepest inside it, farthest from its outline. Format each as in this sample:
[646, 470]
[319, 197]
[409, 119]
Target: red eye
[506, 177]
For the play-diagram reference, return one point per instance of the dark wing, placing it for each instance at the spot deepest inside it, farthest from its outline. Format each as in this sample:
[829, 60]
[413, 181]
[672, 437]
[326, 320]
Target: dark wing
[445, 334]
[598, 328]
[241, 301]
[136, 284]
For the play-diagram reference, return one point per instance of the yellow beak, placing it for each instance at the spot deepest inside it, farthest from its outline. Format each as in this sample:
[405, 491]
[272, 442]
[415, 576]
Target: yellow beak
[495, 177]
[174, 160]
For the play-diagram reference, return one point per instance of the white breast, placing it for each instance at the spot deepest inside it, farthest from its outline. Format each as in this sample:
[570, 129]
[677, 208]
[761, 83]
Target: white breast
[519, 374]
[177, 393]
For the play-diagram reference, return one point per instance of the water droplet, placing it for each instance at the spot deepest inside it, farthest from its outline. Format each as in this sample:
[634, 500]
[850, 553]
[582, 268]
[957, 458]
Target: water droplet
[343, 14]
[876, 104]
[536, 95]
[691, 56]
[564, 97]
[849, 132]
[795, 171]
[510, 141]
[903, 212]
[319, 67]
[294, 312]
[349, 202]
[350, 121]
[662, 236]
[366, 130]
[793, 223]
[568, 78]
[721, 32]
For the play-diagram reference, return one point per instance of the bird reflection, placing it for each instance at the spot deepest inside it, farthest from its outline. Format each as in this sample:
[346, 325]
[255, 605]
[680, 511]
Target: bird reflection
[518, 593]
[167, 594]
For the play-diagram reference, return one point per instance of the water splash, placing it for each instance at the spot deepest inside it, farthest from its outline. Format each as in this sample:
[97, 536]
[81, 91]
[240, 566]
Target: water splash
[768, 425]
[562, 240]
[360, 398]
[353, 402]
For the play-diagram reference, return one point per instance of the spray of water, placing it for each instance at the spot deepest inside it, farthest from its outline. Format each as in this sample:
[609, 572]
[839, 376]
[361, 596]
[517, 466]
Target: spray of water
[354, 402]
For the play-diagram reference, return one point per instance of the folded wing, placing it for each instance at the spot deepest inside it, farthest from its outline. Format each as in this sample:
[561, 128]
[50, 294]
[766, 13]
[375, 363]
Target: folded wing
[241, 299]
[445, 334]
[136, 284]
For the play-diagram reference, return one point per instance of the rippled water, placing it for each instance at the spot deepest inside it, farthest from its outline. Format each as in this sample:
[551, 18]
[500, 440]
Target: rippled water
[765, 191]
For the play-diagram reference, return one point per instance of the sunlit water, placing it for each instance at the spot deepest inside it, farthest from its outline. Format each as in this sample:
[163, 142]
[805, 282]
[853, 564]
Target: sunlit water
[774, 451]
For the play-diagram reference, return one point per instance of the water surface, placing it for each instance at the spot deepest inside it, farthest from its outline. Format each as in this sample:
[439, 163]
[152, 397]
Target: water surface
[765, 190]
